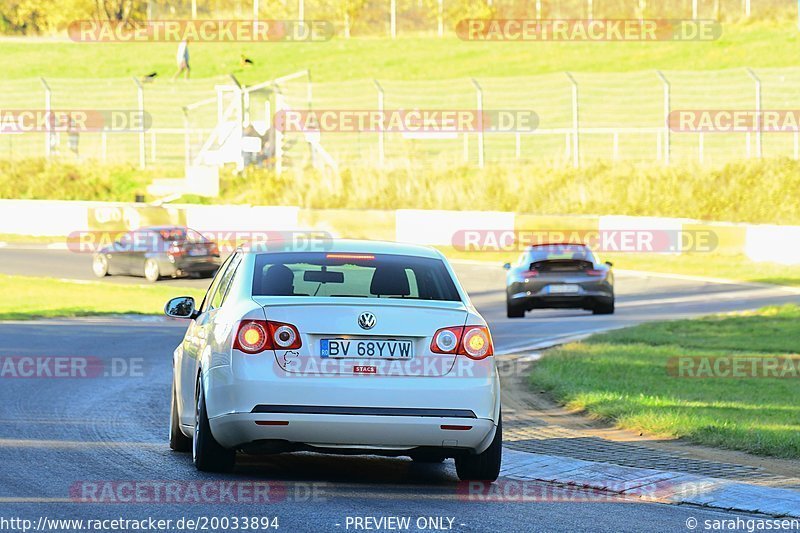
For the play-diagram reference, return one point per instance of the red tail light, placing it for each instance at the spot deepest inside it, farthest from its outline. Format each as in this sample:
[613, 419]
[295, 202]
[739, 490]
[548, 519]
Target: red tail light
[255, 336]
[474, 342]
[284, 336]
[174, 249]
[213, 249]
[446, 340]
[593, 272]
[530, 274]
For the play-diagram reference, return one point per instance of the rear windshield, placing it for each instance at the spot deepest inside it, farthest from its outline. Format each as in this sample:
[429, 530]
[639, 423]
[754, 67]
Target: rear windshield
[353, 275]
[180, 235]
[558, 251]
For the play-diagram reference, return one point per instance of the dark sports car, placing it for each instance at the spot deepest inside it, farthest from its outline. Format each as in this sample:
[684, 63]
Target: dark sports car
[559, 276]
[156, 252]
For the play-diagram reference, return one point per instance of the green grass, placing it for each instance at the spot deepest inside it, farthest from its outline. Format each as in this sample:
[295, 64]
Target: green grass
[622, 377]
[762, 44]
[28, 297]
[730, 267]
[752, 191]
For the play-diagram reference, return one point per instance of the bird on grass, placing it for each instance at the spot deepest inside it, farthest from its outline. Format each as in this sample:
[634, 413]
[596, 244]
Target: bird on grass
[246, 61]
[149, 77]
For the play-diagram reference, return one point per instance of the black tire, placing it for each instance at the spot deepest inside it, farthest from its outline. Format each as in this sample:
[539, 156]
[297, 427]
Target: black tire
[483, 466]
[100, 266]
[514, 310]
[177, 440]
[208, 455]
[152, 273]
[604, 308]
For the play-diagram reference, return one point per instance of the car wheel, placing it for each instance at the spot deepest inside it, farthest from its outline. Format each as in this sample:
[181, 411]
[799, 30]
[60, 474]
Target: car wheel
[151, 271]
[208, 455]
[514, 310]
[604, 308]
[177, 440]
[100, 266]
[483, 466]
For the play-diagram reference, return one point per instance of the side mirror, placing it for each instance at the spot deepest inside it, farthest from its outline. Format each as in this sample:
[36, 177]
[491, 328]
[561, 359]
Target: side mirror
[181, 307]
[507, 266]
[609, 263]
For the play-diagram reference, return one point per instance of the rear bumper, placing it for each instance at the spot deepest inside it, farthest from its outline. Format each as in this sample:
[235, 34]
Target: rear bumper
[371, 434]
[188, 266]
[378, 413]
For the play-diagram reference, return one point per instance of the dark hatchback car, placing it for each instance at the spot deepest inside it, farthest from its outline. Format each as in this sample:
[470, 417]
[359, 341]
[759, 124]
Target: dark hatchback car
[559, 276]
[156, 252]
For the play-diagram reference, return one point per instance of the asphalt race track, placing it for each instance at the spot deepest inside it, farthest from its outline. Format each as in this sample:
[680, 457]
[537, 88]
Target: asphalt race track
[58, 436]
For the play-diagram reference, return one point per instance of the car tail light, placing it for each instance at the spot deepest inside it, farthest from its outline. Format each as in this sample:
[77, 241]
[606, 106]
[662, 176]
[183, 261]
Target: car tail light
[213, 249]
[174, 249]
[446, 340]
[593, 272]
[252, 336]
[284, 336]
[474, 342]
[530, 274]
[255, 336]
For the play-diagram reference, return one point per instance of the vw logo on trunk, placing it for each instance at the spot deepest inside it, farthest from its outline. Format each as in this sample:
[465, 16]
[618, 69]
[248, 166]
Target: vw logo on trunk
[367, 320]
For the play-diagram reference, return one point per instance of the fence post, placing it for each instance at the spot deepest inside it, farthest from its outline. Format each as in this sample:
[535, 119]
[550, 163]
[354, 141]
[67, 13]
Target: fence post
[440, 19]
[309, 95]
[481, 146]
[187, 142]
[538, 9]
[279, 106]
[747, 8]
[140, 94]
[694, 9]
[590, 9]
[381, 133]
[47, 106]
[758, 110]
[301, 11]
[667, 105]
[576, 146]
[393, 18]
[702, 147]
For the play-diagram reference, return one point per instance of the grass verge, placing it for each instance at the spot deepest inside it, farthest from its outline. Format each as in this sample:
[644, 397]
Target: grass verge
[28, 297]
[761, 44]
[622, 376]
[731, 267]
[747, 191]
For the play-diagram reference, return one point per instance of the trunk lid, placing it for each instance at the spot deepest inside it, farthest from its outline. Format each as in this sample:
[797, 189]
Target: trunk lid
[398, 323]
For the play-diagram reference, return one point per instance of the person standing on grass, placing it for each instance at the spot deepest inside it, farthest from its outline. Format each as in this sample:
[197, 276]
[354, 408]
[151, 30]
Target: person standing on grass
[183, 59]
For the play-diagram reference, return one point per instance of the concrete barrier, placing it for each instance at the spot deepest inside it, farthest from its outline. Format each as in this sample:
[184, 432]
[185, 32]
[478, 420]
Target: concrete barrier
[438, 227]
[759, 243]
